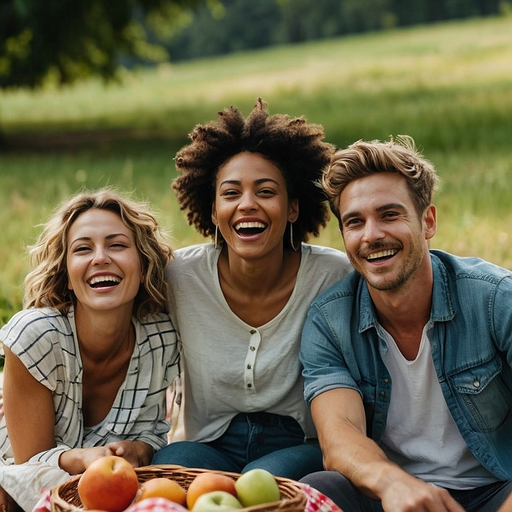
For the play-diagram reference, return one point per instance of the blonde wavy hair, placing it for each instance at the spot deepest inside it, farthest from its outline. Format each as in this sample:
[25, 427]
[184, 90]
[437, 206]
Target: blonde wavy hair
[47, 282]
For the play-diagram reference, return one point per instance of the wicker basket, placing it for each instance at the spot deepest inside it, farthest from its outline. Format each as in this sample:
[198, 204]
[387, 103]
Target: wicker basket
[65, 498]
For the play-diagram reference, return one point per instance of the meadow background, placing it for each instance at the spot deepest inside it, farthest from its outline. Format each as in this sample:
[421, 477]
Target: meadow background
[447, 85]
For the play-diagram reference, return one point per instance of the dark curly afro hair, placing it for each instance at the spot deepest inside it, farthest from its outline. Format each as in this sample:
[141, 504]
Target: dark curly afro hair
[295, 146]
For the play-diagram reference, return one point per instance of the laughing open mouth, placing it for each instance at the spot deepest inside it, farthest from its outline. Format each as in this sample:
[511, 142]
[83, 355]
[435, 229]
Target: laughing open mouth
[250, 228]
[102, 281]
[381, 255]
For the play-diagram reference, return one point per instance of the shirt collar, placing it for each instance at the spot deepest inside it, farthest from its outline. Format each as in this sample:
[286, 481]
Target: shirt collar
[442, 307]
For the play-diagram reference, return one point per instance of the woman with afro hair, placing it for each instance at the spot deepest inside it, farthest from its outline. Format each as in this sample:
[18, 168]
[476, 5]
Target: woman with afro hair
[239, 302]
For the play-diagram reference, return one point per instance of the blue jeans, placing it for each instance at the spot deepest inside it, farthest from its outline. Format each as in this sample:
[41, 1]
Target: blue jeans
[334, 485]
[255, 440]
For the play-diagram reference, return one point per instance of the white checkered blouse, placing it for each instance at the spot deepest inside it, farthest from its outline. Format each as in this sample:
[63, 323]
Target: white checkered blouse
[46, 342]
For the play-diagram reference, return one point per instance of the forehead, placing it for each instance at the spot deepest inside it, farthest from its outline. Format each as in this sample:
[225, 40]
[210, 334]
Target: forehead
[249, 166]
[373, 191]
[98, 221]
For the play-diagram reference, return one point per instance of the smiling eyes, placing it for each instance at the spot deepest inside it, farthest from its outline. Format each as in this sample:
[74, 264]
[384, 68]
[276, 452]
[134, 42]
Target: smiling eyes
[234, 193]
[86, 247]
[356, 221]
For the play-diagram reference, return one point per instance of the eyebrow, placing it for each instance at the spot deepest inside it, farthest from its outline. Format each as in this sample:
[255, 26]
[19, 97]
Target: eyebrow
[256, 182]
[108, 237]
[382, 208]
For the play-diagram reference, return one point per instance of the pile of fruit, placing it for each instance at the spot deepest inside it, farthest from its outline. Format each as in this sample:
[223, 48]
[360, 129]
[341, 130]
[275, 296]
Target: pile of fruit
[111, 484]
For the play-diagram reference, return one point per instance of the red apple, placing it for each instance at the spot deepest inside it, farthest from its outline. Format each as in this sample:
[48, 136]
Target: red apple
[207, 482]
[216, 501]
[109, 483]
[257, 487]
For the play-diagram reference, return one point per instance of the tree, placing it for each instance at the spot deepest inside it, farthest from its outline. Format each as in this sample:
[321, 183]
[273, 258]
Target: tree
[72, 39]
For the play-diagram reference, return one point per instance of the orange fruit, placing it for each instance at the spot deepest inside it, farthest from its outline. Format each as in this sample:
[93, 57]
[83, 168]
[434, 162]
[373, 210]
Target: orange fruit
[162, 488]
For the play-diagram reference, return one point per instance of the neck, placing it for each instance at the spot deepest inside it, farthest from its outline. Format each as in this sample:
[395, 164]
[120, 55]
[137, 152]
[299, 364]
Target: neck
[104, 333]
[260, 275]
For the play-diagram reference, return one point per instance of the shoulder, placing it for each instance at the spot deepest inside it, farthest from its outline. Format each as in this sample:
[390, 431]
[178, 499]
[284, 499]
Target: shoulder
[458, 268]
[321, 256]
[323, 264]
[194, 252]
[44, 341]
[157, 339]
[346, 288]
[193, 257]
[159, 325]
[34, 323]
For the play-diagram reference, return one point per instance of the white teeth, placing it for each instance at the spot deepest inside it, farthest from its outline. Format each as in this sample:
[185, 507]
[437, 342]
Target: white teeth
[381, 254]
[248, 225]
[103, 279]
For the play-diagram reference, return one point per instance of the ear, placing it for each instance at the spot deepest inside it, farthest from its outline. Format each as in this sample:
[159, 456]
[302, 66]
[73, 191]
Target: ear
[214, 214]
[293, 210]
[430, 222]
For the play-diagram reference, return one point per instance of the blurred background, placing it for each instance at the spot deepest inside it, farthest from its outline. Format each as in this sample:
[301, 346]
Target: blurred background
[96, 92]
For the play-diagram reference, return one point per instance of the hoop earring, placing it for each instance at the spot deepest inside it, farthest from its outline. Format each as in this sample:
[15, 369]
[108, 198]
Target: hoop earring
[216, 242]
[291, 237]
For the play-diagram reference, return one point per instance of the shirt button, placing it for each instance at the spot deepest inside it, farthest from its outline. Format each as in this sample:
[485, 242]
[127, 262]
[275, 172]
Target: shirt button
[383, 394]
[249, 385]
[476, 383]
[249, 366]
[253, 331]
[386, 381]
[252, 348]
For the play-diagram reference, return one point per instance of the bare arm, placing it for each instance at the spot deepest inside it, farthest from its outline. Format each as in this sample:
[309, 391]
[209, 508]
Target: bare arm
[341, 425]
[29, 410]
[30, 420]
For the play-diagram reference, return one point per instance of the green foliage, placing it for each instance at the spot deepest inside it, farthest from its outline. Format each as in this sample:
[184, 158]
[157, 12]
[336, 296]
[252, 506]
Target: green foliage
[450, 90]
[245, 24]
[70, 40]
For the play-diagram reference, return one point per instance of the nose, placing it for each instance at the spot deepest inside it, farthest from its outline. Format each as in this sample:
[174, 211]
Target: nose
[101, 256]
[372, 231]
[247, 202]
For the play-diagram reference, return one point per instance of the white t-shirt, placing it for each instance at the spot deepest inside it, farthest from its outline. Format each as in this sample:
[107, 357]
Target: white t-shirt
[230, 366]
[420, 435]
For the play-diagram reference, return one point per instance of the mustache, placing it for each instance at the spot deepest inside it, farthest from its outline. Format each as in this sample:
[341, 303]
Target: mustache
[377, 246]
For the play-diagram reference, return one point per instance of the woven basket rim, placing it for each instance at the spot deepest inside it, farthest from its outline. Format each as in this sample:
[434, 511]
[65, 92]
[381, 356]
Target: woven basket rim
[64, 497]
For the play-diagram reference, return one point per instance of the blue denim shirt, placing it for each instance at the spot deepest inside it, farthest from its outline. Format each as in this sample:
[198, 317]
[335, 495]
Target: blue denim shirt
[471, 344]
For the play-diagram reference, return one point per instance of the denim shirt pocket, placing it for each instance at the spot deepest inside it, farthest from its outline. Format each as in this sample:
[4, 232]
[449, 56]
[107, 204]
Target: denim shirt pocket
[484, 394]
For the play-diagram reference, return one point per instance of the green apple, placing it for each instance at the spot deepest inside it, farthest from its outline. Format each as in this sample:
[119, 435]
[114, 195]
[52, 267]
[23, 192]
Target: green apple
[216, 501]
[256, 487]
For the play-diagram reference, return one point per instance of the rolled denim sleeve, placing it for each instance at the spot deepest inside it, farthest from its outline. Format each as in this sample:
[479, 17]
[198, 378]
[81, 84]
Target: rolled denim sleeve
[324, 366]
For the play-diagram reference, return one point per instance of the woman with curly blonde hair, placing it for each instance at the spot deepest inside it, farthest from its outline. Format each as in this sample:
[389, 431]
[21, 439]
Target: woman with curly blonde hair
[239, 303]
[89, 359]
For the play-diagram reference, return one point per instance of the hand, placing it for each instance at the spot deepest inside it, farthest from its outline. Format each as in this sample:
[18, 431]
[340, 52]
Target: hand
[137, 453]
[77, 460]
[418, 496]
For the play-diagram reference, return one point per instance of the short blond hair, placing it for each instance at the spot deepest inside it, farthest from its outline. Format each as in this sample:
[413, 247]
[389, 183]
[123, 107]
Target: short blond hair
[362, 159]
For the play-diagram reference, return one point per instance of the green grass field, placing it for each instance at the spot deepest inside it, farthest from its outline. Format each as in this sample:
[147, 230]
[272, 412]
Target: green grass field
[449, 86]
